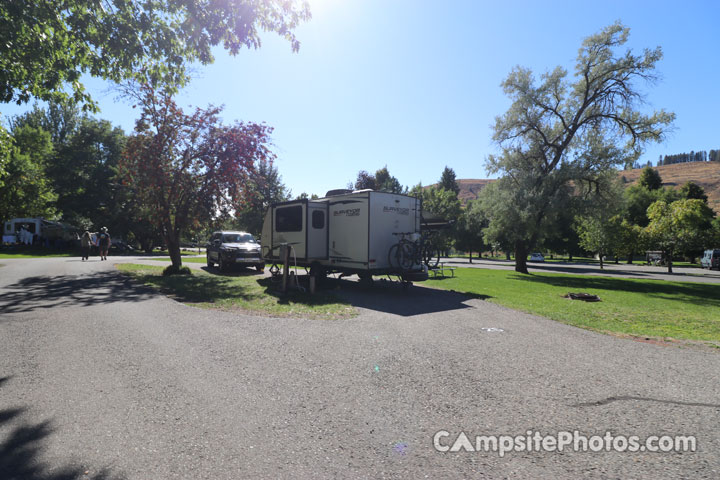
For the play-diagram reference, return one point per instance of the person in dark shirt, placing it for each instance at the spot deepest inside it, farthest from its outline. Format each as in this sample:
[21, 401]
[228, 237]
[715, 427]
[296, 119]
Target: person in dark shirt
[103, 240]
[85, 242]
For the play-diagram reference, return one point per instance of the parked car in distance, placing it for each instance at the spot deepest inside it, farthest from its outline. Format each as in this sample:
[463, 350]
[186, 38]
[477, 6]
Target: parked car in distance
[118, 246]
[711, 259]
[537, 257]
[229, 248]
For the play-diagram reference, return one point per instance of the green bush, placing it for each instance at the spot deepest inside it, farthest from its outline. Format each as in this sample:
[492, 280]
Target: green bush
[172, 270]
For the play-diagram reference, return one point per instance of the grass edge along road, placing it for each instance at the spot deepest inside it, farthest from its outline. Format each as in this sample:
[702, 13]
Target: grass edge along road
[244, 290]
[636, 307]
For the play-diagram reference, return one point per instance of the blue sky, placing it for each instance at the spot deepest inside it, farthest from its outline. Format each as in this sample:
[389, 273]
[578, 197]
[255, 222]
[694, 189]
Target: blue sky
[415, 85]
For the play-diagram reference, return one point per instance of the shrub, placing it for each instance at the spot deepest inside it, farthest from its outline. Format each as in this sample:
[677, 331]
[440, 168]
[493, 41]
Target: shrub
[172, 270]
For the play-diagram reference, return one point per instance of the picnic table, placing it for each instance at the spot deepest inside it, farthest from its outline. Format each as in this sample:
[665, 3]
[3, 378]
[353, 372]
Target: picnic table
[442, 270]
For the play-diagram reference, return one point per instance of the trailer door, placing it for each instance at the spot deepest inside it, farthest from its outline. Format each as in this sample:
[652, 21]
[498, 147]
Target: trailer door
[317, 241]
[289, 226]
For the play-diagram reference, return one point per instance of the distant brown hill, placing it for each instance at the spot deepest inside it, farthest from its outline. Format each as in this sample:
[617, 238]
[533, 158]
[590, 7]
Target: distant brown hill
[705, 174]
[469, 188]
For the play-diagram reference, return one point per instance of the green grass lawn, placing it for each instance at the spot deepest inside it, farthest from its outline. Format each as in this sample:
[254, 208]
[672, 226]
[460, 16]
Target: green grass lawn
[646, 308]
[36, 253]
[242, 290]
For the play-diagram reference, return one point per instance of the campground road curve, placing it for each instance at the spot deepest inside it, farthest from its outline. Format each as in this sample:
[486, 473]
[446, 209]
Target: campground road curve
[100, 378]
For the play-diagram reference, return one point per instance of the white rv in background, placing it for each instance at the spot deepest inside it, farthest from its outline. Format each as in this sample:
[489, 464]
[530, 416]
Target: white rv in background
[348, 232]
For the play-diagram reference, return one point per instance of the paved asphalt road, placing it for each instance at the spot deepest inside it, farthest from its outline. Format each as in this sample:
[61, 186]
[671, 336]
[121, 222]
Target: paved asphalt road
[100, 376]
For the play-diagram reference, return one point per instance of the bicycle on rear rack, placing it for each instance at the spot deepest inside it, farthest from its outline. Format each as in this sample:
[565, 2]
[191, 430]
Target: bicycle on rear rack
[406, 253]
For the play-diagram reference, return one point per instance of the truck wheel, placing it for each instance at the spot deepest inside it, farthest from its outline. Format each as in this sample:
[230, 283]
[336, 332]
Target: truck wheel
[260, 268]
[222, 264]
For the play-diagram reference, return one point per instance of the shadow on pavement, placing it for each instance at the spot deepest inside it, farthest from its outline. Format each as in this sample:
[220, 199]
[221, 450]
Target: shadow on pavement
[235, 272]
[22, 444]
[390, 297]
[44, 292]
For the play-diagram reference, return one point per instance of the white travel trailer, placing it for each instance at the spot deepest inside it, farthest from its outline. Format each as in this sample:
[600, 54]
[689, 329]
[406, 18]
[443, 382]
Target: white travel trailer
[347, 232]
[37, 227]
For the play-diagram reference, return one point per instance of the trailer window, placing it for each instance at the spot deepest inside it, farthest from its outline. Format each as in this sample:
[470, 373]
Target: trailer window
[318, 219]
[289, 219]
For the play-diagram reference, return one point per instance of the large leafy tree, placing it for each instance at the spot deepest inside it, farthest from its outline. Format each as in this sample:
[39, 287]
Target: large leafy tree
[512, 211]
[6, 143]
[45, 47]
[25, 190]
[83, 172]
[82, 166]
[364, 180]
[469, 230]
[599, 235]
[188, 170]
[381, 181]
[678, 226]
[60, 118]
[560, 132]
[264, 187]
[638, 199]
[444, 204]
[385, 182]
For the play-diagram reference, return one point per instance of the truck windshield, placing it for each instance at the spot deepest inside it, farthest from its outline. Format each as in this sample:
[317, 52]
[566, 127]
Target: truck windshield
[238, 238]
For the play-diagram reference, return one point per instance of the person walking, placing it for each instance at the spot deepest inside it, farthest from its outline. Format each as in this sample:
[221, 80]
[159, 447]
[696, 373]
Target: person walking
[103, 239]
[85, 243]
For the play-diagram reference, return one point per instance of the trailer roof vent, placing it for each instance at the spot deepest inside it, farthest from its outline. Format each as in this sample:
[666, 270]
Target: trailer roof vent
[363, 190]
[337, 191]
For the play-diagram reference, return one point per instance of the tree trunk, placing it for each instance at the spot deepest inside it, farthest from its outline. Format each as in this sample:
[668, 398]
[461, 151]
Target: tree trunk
[617, 259]
[147, 245]
[630, 258]
[173, 245]
[669, 262]
[521, 257]
[569, 257]
[470, 256]
[601, 260]
[507, 255]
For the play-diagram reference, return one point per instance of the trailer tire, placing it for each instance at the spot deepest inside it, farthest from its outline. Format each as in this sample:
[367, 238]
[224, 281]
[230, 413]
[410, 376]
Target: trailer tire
[365, 279]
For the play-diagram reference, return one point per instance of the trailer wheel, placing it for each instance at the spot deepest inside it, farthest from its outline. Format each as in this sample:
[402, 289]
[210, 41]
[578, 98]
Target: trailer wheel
[365, 279]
